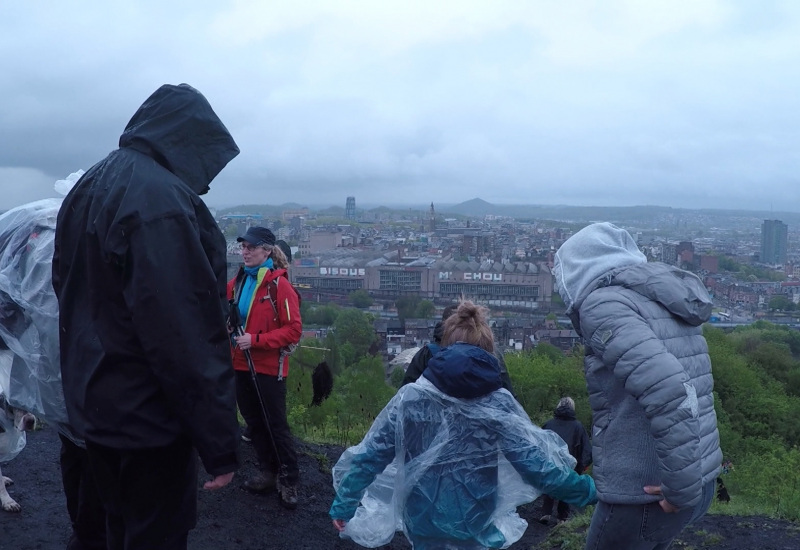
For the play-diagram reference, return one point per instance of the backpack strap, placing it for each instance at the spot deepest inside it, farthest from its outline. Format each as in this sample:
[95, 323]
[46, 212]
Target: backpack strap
[237, 285]
[272, 293]
[272, 290]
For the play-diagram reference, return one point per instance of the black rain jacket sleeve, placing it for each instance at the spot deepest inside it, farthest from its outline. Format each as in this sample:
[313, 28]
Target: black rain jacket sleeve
[417, 365]
[180, 323]
[505, 379]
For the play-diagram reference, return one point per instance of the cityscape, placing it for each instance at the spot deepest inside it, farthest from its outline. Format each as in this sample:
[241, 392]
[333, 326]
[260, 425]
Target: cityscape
[473, 250]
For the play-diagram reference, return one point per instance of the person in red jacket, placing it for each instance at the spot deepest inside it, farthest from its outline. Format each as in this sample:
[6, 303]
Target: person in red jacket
[269, 309]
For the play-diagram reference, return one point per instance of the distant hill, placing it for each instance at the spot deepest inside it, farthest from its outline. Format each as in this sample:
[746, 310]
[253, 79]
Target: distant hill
[266, 210]
[478, 208]
[475, 207]
[644, 216]
[331, 212]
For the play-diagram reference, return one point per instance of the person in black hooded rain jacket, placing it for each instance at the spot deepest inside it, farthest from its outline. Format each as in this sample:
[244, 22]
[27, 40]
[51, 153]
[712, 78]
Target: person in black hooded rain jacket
[574, 435]
[139, 269]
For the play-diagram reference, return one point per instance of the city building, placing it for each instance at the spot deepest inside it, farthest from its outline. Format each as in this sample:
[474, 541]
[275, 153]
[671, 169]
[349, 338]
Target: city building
[320, 241]
[292, 214]
[774, 238]
[709, 263]
[520, 285]
[350, 208]
[669, 253]
[477, 243]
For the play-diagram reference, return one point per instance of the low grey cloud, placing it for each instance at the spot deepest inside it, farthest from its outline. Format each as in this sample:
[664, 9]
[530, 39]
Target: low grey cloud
[691, 104]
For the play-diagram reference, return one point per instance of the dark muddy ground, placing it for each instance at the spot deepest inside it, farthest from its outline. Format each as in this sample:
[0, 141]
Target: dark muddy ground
[234, 519]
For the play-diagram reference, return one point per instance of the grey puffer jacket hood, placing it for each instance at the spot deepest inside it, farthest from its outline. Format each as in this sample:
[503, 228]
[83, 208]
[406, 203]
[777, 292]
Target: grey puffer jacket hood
[600, 254]
[589, 254]
[647, 367]
[682, 293]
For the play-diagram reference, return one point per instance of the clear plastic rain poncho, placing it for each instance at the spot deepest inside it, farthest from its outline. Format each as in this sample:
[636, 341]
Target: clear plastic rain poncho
[30, 371]
[448, 469]
[12, 440]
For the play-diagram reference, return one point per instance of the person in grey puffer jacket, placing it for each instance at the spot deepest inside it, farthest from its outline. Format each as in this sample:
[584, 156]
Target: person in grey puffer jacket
[655, 442]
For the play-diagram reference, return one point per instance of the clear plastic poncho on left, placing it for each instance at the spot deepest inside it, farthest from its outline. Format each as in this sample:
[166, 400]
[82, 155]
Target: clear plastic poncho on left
[30, 371]
[456, 469]
[12, 440]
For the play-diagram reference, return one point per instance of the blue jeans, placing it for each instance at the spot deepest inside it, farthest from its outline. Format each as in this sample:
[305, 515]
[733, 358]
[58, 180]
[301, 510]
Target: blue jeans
[642, 526]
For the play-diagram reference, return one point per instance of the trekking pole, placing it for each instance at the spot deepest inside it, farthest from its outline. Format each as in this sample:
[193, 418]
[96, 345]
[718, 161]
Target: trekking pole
[238, 328]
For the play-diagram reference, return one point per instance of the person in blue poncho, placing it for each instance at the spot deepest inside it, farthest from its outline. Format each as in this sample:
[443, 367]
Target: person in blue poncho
[452, 455]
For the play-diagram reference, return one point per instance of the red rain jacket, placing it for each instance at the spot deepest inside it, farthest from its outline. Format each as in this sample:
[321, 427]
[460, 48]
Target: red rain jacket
[272, 327]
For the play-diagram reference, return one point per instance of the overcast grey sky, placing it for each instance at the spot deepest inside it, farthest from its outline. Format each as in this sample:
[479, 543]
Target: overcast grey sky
[677, 103]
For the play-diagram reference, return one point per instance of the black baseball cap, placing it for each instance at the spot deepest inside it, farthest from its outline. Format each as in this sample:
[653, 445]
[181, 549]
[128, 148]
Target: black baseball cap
[285, 248]
[258, 236]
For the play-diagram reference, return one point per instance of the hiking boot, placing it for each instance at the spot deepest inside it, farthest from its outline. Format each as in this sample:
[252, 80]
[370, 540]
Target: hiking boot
[262, 482]
[545, 519]
[288, 495]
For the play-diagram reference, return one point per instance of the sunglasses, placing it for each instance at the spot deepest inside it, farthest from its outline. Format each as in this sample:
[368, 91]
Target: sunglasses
[251, 247]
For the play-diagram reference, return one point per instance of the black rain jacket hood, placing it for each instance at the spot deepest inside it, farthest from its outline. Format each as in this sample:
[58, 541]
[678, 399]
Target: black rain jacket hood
[177, 127]
[139, 270]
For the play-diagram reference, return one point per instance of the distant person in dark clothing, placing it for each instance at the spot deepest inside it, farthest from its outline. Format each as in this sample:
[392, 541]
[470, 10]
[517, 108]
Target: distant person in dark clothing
[139, 271]
[574, 435]
[420, 360]
[722, 491]
[286, 249]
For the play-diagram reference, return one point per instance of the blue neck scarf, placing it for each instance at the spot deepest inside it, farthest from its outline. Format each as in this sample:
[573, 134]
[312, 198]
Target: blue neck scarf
[249, 287]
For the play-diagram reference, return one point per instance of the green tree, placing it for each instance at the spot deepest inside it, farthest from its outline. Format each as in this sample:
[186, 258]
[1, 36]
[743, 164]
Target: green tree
[726, 263]
[425, 309]
[407, 307]
[360, 298]
[545, 349]
[319, 315]
[354, 328]
[779, 302]
[363, 393]
[396, 377]
[553, 317]
[541, 379]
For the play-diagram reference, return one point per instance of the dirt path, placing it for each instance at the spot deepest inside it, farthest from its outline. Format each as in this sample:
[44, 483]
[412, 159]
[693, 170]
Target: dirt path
[234, 519]
[228, 519]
